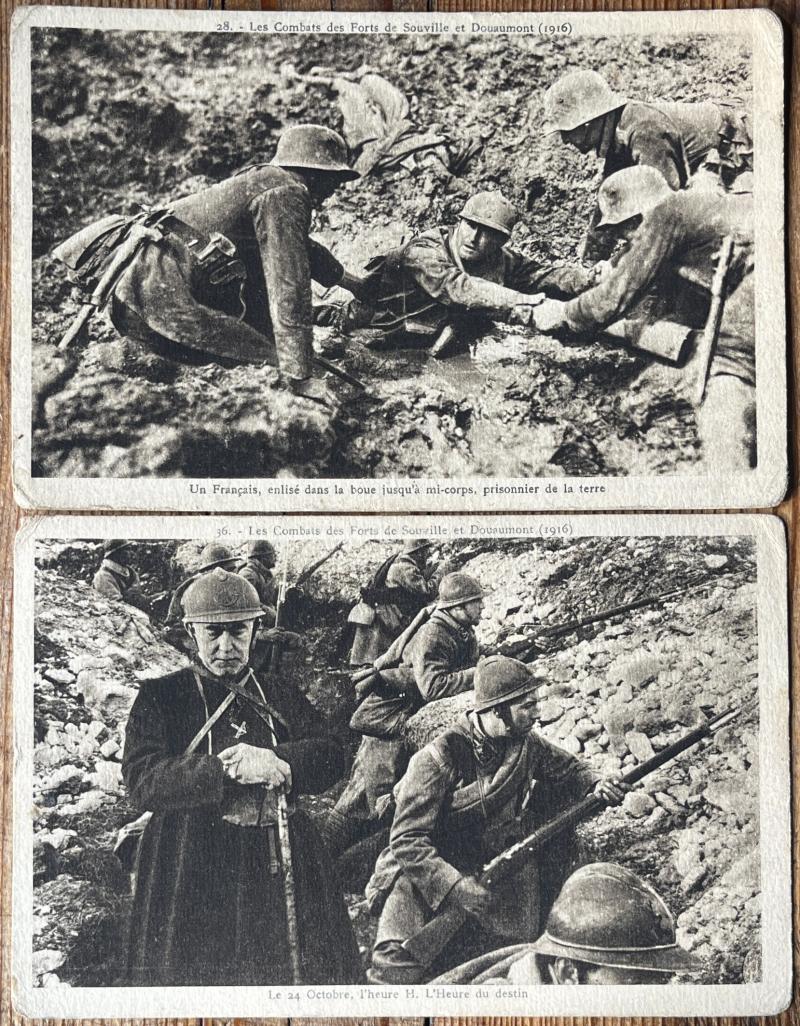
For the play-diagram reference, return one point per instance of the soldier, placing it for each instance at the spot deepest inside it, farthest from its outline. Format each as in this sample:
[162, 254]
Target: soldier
[674, 138]
[445, 277]
[672, 254]
[259, 561]
[607, 926]
[211, 556]
[116, 579]
[228, 270]
[438, 661]
[207, 749]
[465, 797]
[397, 592]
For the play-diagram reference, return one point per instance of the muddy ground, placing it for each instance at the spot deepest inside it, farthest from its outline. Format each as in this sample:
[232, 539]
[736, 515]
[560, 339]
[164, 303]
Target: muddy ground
[120, 120]
[615, 692]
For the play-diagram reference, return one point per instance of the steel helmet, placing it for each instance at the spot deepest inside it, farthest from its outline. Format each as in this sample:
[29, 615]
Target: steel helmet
[220, 597]
[499, 679]
[213, 555]
[457, 590]
[114, 545]
[576, 98]
[262, 550]
[415, 544]
[630, 192]
[316, 148]
[607, 915]
[491, 209]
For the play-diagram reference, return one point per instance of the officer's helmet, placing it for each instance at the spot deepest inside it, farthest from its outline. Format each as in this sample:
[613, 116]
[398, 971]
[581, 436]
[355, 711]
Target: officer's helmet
[491, 209]
[630, 192]
[220, 597]
[212, 555]
[576, 98]
[262, 550]
[457, 590]
[607, 915]
[499, 679]
[415, 544]
[316, 148]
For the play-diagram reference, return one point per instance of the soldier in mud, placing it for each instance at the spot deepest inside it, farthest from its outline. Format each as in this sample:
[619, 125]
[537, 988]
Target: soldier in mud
[116, 578]
[436, 662]
[676, 139]
[226, 272]
[208, 751]
[402, 585]
[434, 289]
[674, 239]
[628, 938]
[465, 797]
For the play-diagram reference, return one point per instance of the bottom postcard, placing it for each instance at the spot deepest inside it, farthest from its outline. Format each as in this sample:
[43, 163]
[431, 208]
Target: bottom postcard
[336, 766]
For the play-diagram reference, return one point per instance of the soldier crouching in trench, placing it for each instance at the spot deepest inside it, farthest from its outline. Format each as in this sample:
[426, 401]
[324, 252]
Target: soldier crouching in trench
[226, 272]
[209, 750]
[465, 797]
[443, 286]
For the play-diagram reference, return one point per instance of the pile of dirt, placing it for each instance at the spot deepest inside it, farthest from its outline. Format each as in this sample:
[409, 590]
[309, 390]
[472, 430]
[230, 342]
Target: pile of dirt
[118, 121]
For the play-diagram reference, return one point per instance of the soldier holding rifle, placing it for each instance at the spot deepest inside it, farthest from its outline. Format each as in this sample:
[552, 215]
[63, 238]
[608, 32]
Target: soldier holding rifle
[209, 751]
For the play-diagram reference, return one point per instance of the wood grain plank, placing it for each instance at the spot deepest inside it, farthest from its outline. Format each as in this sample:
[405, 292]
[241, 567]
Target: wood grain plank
[10, 516]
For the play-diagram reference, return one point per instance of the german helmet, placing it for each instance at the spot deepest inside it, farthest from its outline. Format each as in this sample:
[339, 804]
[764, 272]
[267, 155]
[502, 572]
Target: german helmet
[316, 148]
[607, 915]
[220, 597]
[630, 192]
[577, 98]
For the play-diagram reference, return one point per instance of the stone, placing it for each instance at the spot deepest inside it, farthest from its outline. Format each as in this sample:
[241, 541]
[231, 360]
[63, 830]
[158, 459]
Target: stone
[693, 879]
[96, 728]
[716, 562]
[59, 675]
[744, 876]
[66, 779]
[108, 776]
[637, 671]
[47, 961]
[109, 748]
[550, 710]
[638, 804]
[104, 696]
[730, 796]
[639, 745]
[571, 744]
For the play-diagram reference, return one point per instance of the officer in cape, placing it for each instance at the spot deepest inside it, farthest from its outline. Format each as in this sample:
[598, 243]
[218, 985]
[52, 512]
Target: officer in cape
[676, 139]
[443, 286]
[209, 750]
[433, 658]
[675, 242]
[466, 796]
[607, 926]
[115, 578]
[226, 272]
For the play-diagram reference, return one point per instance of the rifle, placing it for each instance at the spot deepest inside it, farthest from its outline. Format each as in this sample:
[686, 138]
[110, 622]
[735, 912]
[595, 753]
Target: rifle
[313, 567]
[569, 626]
[708, 340]
[425, 945]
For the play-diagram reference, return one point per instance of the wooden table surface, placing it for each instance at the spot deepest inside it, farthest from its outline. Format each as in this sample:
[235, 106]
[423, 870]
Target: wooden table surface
[11, 517]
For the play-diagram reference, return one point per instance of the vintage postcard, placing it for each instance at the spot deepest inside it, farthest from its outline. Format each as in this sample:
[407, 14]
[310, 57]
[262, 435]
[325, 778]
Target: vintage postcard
[429, 766]
[295, 261]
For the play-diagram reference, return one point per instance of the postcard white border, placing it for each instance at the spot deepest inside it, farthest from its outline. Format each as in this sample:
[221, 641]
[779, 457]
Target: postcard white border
[769, 997]
[764, 486]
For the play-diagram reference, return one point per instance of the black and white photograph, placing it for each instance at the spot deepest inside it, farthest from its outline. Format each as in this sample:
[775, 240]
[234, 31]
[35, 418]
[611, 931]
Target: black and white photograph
[275, 261]
[339, 767]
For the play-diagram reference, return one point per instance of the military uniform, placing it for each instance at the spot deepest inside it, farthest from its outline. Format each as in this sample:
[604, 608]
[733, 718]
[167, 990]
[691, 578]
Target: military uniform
[405, 590]
[673, 254]
[263, 580]
[424, 285]
[115, 581]
[209, 905]
[464, 798]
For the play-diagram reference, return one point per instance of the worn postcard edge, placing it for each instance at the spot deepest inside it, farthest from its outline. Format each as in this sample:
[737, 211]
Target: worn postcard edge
[764, 486]
[769, 997]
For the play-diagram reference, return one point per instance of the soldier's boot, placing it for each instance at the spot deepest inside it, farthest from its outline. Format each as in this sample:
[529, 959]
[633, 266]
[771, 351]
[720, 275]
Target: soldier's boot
[392, 964]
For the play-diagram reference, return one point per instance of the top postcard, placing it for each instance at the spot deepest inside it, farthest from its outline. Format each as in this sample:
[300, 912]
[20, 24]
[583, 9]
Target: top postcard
[306, 261]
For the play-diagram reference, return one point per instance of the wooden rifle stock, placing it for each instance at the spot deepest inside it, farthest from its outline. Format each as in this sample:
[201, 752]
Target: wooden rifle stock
[428, 942]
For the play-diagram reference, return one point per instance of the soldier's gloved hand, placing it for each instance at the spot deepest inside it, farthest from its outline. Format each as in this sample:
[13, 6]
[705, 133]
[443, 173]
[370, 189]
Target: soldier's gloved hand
[549, 315]
[247, 764]
[522, 312]
[611, 790]
[471, 896]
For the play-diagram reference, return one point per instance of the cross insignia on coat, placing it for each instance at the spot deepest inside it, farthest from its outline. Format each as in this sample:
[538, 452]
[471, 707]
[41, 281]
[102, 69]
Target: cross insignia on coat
[239, 729]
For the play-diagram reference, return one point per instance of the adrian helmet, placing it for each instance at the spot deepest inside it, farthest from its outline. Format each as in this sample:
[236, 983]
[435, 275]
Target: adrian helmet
[491, 209]
[220, 597]
[415, 544]
[500, 679]
[457, 590]
[263, 550]
[213, 555]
